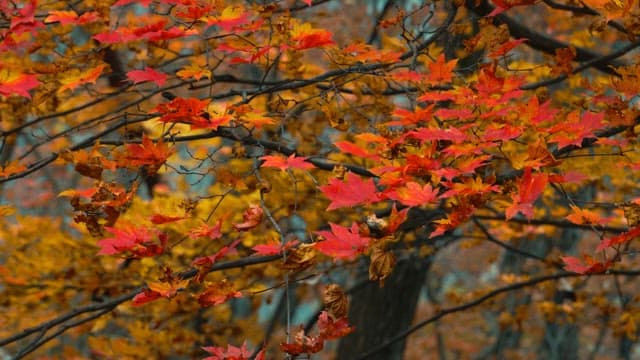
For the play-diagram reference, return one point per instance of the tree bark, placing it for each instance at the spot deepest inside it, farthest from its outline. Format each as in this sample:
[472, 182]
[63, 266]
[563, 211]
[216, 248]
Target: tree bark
[379, 313]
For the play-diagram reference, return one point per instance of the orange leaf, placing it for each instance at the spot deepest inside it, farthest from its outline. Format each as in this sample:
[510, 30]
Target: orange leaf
[218, 293]
[79, 78]
[441, 71]
[282, 163]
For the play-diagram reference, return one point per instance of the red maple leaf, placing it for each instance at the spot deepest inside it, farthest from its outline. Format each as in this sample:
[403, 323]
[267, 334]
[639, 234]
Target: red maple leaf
[348, 147]
[342, 242]
[147, 295]
[231, 353]
[588, 266]
[218, 293]
[147, 74]
[412, 194]
[529, 188]
[353, 191]
[333, 329]
[619, 239]
[19, 85]
[303, 344]
[273, 247]
[207, 231]
[164, 219]
[505, 48]
[284, 163]
[251, 217]
[133, 241]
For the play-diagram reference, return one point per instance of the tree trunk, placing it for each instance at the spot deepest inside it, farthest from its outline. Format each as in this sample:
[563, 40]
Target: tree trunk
[380, 313]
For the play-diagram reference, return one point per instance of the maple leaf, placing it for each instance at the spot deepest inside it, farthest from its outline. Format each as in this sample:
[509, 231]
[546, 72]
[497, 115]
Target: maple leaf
[588, 266]
[77, 78]
[13, 167]
[65, 17]
[333, 329]
[353, 191]
[273, 247]
[147, 74]
[342, 242]
[412, 194]
[147, 295]
[305, 37]
[348, 147]
[169, 288]
[231, 17]
[441, 71]
[232, 353]
[147, 153]
[503, 5]
[193, 71]
[251, 217]
[503, 49]
[17, 84]
[619, 239]
[207, 231]
[137, 242]
[396, 218]
[584, 216]
[218, 293]
[303, 344]
[529, 188]
[282, 163]
[164, 219]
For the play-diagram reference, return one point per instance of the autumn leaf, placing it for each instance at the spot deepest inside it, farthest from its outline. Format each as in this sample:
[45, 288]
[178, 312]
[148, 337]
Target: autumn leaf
[132, 241]
[503, 49]
[303, 344]
[353, 191]
[20, 84]
[218, 293]
[147, 74]
[76, 78]
[617, 240]
[306, 37]
[584, 216]
[342, 242]
[232, 353]
[588, 266]
[65, 17]
[251, 217]
[193, 71]
[530, 187]
[441, 71]
[147, 295]
[348, 147]
[333, 329]
[164, 219]
[148, 152]
[231, 17]
[13, 167]
[284, 163]
[273, 247]
[207, 231]
[413, 194]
